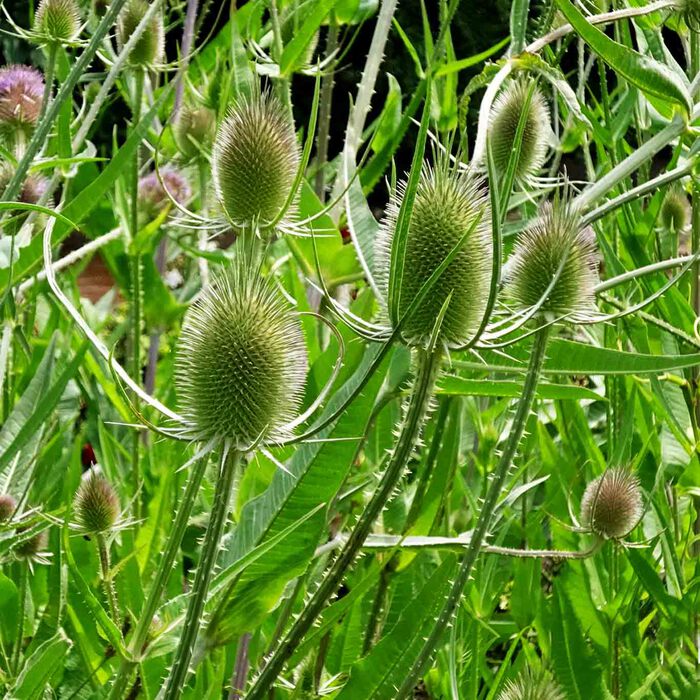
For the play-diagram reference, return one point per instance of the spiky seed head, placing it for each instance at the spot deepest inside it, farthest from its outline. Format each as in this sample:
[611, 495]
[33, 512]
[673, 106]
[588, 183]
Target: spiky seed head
[240, 362]
[255, 159]
[675, 210]
[152, 195]
[194, 130]
[612, 504]
[33, 187]
[7, 507]
[503, 127]
[555, 243]
[57, 21]
[21, 97]
[150, 47]
[530, 686]
[32, 547]
[96, 504]
[448, 204]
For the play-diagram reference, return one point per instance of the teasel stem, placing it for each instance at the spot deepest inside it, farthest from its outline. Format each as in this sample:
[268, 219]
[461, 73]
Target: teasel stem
[614, 631]
[282, 83]
[48, 77]
[324, 116]
[165, 565]
[537, 355]
[202, 167]
[185, 49]
[23, 585]
[428, 364]
[231, 458]
[107, 582]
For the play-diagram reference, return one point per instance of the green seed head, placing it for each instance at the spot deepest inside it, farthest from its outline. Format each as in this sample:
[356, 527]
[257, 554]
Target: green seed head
[503, 127]
[194, 130]
[448, 205]
[57, 21]
[96, 505]
[255, 160]
[554, 244]
[675, 210]
[612, 504]
[529, 686]
[150, 47]
[241, 362]
[7, 507]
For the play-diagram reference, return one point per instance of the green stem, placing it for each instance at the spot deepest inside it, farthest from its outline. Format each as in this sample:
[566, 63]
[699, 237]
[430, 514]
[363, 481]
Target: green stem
[282, 83]
[498, 478]
[107, 582]
[428, 367]
[212, 539]
[614, 632]
[165, 565]
[23, 585]
[48, 78]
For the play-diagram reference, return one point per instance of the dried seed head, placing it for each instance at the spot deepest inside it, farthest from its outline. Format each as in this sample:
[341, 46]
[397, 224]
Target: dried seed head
[554, 244]
[503, 127]
[612, 504]
[21, 96]
[255, 160]
[57, 21]
[150, 47]
[32, 547]
[96, 505]
[675, 210]
[448, 204]
[152, 195]
[7, 507]
[194, 130]
[528, 686]
[241, 362]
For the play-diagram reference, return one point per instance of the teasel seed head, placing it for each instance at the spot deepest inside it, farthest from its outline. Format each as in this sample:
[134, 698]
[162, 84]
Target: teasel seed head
[240, 362]
[503, 127]
[530, 686]
[33, 187]
[32, 548]
[152, 195]
[96, 504]
[555, 239]
[675, 210]
[21, 97]
[194, 130]
[448, 203]
[7, 507]
[255, 160]
[57, 21]
[612, 504]
[150, 47]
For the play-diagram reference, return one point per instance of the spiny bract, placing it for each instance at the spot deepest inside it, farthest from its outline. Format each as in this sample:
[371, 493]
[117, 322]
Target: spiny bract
[448, 204]
[241, 362]
[503, 127]
[150, 47]
[612, 504]
[555, 243]
[530, 686]
[255, 159]
[57, 21]
[194, 130]
[96, 504]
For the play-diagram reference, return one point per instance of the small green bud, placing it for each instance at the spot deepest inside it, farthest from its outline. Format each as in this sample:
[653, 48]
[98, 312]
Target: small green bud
[503, 127]
[556, 236]
[8, 506]
[240, 362]
[612, 504]
[57, 21]
[528, 686]
[675, 210]
[255, 160]
[194, 130]
[96, 505]
[447, 205]
[150, 47]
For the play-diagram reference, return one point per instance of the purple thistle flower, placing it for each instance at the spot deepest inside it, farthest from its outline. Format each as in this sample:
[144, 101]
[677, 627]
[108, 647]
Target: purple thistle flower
[21, 96]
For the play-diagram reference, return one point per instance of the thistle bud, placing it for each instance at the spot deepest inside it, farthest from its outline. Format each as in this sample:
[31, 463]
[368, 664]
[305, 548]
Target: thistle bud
[503, 127]
[675, 210]
[7, 507]
[529, 686]
[194, 130]
[612, 504]
[448, 205]
[152, 195]
[241, 362]
[255, 160]
[21, 97]
[554, 244]
[150, 47]
[96, 505]
[57, 21]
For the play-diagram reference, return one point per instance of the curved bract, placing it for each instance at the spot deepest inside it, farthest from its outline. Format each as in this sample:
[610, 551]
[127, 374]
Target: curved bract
[241, 363]
[449, 205]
